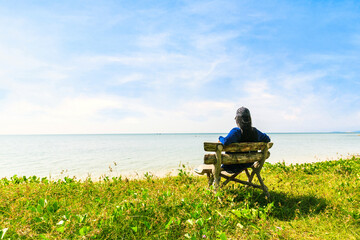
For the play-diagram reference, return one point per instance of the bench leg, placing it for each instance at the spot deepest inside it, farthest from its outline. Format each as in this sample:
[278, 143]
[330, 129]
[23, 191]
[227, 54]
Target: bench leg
[217, 171]
[247, 174]
[252, 175]
[229, 178]
[210, 177]
[265, 189]
[217, 182]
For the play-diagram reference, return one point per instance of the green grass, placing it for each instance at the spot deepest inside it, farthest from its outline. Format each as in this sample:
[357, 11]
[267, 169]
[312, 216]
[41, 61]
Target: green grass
[308, 201]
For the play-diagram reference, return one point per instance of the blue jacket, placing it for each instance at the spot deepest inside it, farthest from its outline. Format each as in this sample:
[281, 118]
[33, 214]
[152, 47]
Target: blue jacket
[234, 136]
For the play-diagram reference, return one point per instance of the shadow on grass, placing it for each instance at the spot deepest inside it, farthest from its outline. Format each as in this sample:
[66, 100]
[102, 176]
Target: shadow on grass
[286, 206]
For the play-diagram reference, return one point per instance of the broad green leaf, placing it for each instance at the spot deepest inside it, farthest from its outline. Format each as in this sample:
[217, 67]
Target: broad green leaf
[43, 237]
[222, 236]
[42, 202]
[32, 208]
[168, 224]
[39, 209]
[84, 230]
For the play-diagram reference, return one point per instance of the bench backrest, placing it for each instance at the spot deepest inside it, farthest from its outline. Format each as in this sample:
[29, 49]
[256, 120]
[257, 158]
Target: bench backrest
[245, 152]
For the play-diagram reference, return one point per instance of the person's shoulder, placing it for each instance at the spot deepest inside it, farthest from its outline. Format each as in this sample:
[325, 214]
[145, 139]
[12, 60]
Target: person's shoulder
[236, 129]
[256, 130]
[262, 137]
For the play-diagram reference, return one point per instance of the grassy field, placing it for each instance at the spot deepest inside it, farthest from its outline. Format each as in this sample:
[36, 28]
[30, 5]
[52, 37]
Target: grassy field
[308, 201]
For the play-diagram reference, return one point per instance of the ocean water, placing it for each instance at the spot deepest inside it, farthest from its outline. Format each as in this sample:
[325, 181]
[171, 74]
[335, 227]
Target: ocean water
[56, 156]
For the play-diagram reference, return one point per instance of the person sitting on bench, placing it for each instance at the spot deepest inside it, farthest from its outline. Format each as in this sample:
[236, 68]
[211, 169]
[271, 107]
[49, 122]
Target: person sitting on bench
[243, 133]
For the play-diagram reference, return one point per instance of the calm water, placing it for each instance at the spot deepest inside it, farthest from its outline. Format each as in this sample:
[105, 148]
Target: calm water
[124, 154]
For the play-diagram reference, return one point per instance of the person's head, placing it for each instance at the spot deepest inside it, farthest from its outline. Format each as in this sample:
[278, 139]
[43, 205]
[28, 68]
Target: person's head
[243, 118]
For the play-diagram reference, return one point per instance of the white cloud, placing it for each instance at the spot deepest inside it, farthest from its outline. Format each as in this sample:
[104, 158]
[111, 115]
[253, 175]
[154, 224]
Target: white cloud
[187, 76]
[14, 59]
[83, 107]
[292, 115]
[69, 116]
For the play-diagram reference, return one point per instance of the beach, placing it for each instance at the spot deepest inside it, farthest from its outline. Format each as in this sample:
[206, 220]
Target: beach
[82, 156]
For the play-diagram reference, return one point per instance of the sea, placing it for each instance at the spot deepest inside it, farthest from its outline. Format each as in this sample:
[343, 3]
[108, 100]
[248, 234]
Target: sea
[139, 155]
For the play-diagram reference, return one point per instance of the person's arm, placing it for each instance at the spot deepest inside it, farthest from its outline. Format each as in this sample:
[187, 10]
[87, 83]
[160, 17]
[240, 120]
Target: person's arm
[262, 137]
[233, 136]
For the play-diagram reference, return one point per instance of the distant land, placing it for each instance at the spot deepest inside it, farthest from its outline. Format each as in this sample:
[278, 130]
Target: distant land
[169, 133]
[346, 132]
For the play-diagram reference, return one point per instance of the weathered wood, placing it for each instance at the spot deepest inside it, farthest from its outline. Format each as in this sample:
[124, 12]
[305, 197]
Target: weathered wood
[263, 186]
[204, 168]
[252, 175]
[228, 179]
[211, 146]
[236, 153]
[237, 147]
[265, 156]
[241, 181]
[218, 165]
[210, 177]
[247, 173]
[234, 158]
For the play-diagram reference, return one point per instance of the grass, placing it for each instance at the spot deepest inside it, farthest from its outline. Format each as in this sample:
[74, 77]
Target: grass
[308, 201]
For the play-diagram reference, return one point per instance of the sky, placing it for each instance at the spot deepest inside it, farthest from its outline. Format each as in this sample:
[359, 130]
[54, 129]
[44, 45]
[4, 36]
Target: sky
[84, 67]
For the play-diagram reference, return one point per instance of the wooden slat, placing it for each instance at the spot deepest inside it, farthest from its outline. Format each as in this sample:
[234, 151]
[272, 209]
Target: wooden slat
[204, 169]
[245, 147]
[237, 147]
[211, 146]
[234, 158]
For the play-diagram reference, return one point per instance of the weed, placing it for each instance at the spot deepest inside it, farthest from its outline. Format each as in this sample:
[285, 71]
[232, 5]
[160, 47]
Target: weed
[319, 200]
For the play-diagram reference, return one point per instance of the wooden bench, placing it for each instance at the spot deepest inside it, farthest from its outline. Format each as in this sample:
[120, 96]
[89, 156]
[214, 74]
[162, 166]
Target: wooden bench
[247, 152]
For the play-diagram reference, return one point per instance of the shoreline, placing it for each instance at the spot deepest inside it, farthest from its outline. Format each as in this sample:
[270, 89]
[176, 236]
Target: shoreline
[154, 174]
[115, 155]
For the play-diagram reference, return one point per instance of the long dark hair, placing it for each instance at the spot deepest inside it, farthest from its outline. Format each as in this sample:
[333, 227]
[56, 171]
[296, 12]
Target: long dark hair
[243, 120]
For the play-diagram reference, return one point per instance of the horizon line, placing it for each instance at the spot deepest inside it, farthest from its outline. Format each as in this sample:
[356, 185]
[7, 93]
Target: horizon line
[167, 133]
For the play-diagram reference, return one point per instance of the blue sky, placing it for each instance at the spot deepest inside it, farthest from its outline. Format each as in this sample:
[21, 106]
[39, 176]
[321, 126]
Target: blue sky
[178, 66]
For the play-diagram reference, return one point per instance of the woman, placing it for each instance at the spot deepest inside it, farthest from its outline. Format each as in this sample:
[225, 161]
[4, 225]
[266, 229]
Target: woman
[243, 133]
